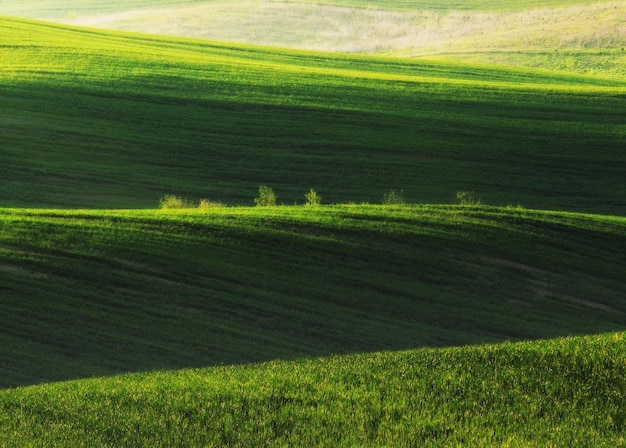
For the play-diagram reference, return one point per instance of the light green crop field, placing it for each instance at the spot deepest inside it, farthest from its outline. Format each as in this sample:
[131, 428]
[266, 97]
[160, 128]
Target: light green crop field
[42, 9]
[581, 36]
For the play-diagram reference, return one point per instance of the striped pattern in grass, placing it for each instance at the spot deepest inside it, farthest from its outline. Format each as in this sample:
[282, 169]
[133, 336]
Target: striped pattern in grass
[95, 119]
[98, 292]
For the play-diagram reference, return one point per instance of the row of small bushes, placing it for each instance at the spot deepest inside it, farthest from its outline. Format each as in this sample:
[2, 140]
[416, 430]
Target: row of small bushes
[172, 201]
[267, 198]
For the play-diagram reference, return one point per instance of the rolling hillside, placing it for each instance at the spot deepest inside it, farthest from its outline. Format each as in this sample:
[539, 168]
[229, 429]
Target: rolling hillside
[582, 36]
[99, 292]
[94, 281]
[101, 120]
[565, 392]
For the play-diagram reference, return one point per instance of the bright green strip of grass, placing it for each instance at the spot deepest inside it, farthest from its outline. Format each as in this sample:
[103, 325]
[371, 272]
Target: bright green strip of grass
[103, 120]
[563, 392]
[88, 293]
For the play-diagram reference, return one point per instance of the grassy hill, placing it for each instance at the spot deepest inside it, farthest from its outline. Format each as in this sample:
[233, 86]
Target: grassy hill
[564, 392]
[98, 292]
[95, 119]
[581, 36]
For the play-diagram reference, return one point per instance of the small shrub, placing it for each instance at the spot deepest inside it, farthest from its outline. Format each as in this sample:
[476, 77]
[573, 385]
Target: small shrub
[173, 201]
[205, 203]
[393, 197]
[312, 198]
[468, 198]
[267, 197]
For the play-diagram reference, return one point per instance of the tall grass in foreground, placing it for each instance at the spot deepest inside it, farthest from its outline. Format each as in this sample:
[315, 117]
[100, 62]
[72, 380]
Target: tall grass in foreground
[563, 392]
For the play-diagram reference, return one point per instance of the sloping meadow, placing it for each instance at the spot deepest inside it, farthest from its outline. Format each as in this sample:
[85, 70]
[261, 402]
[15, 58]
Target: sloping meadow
[92, 293]
[101, 120]
[562, 392]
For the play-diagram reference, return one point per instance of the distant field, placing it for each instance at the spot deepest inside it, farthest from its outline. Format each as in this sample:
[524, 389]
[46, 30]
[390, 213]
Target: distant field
[500, 32]
[103, 120]
[88, 293]
[42, 9]
[564, 392]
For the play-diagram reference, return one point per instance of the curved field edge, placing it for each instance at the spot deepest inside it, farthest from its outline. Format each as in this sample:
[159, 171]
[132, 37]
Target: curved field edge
[89, 293]
[560, 392]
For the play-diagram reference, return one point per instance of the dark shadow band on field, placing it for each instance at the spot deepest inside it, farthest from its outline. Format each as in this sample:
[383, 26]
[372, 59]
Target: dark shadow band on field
[83, 296]
[81, 143]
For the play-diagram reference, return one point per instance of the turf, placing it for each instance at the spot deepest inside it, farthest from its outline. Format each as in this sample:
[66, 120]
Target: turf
[101, 120]
[99, 292]
[564, 392]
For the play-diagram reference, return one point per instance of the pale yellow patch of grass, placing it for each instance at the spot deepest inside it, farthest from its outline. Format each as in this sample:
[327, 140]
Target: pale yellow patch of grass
[483, 37]
[371, 30]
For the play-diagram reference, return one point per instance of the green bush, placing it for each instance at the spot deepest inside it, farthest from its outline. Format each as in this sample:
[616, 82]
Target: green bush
[173, 201]
[312, 198]
[394, 197]
[468, 198]
[267, 197]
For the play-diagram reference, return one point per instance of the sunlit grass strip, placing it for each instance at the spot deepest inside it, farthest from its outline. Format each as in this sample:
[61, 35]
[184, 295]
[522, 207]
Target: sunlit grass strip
[562, 392]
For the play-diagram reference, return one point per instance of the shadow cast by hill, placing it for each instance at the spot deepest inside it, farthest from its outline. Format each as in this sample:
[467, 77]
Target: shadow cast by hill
[99, 293]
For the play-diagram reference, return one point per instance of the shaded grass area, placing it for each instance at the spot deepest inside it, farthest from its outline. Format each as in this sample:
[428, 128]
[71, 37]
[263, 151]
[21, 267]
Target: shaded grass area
[99, 292]
[563, 392]
[102, 120]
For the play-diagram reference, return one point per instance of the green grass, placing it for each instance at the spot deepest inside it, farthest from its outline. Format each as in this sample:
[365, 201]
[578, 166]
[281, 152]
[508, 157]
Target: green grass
[101, 120]
[563, 392]
[100, 292]
[96, 120]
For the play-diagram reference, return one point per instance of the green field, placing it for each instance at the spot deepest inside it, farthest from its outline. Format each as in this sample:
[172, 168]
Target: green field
[97, 120]
[347, 324]
[42, 9]
[231, 285]
[564, 392]
[573, 36]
